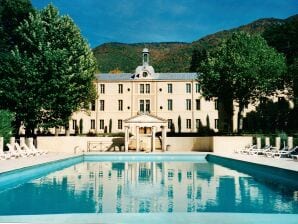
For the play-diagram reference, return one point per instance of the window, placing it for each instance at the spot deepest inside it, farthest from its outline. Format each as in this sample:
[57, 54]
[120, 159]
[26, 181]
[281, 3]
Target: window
[145, 74]
[216, 123]
[92, 124]
[147, 88]
[188, 104]
[147, 105]
[198, 88]
[188, 123]
[120, 105]
[102, 88]
[93, 105]
[216, 104]
[120, 88]
[101, 105]
[170, 123]
[142, 106]
[198, 124]
[120, 124]
[141, 88]
[170, 104]
[101, 124]
[74, 124]
[170, 88]
[198, 104]
[188, 87]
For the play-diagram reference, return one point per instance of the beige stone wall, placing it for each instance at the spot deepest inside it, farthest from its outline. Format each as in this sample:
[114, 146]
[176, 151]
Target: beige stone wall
[228, 144]
[217, 144]
[67, 144]
[181, 144]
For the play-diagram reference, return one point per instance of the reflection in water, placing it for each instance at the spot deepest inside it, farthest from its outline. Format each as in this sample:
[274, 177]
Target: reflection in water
[97, 187]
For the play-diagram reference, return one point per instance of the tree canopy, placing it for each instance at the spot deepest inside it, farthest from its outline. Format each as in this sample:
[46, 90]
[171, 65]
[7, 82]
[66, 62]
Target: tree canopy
[241, 69]
[50, 72]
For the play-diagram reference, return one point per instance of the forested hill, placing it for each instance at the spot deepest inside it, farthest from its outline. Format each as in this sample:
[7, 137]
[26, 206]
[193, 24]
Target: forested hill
[167, 57]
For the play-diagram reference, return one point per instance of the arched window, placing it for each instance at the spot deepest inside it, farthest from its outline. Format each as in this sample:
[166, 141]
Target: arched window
[145, 74]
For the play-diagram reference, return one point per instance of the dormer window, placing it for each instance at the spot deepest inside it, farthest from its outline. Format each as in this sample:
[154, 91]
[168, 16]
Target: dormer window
[145, 74]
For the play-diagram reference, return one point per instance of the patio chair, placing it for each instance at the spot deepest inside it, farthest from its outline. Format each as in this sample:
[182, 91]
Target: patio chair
[35, 150]
[285, 152]
[262, 151]
[11, 150]
[247, 149]
[26, 148]
[4, 155]
[20, 151]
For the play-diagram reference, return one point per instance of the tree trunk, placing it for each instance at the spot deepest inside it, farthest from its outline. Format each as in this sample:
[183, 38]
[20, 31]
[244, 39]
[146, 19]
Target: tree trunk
[67, 131]
[240, 118]
[56, 131]
[225, 114]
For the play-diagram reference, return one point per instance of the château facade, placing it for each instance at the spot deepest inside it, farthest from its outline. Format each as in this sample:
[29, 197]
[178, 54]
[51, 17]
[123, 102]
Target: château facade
[171, 97]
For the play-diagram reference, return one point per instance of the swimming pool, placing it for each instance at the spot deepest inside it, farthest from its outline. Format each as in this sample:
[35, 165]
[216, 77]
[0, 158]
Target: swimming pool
[142, 184]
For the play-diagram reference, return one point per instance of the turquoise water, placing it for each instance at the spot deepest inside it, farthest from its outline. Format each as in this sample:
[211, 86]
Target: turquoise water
[143, 185]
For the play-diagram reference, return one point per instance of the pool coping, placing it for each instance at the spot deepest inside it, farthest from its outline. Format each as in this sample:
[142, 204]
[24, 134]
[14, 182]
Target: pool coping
[202, 217]
[144, 218]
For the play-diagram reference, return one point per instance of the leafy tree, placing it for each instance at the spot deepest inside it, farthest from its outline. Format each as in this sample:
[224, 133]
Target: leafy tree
[11, 14]
[6, 119]
[268, 117]
[116, 71]
[284, 38]
[198, 56]
[241, 69]
[50, 73]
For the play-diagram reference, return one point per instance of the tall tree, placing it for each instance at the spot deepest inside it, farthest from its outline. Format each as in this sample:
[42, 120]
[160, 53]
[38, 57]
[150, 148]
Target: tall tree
[11, 14]
[284, 38]
[241, 69]
[51, 71]
[198, 56]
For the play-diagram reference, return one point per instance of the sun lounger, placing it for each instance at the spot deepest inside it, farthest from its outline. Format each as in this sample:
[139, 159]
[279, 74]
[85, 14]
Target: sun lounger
[20, 151]
[4, 155]
[247, 149]
[262, 151]
[35, 150]
[285, 152]
[26, 148]
[13, 153]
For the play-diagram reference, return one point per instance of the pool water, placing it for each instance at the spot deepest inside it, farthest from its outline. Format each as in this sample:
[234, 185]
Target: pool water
[147, 187]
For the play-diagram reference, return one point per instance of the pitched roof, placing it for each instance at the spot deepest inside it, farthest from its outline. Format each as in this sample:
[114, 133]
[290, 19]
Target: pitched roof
[145, 118]
[156, 76]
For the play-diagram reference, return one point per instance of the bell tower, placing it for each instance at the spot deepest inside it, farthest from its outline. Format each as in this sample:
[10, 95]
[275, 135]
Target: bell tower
[145, 57]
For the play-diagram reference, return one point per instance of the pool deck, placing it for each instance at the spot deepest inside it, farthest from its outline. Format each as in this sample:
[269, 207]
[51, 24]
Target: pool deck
[282, 163]
[23, 162]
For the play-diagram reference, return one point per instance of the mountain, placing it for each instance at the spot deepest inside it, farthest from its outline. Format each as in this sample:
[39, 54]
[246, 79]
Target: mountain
[168, 57]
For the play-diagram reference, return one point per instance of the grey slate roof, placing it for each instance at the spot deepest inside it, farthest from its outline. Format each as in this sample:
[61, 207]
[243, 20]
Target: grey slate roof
[156, 76]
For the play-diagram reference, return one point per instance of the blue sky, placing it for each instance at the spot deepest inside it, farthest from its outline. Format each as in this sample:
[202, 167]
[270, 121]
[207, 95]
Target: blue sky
[135, 21]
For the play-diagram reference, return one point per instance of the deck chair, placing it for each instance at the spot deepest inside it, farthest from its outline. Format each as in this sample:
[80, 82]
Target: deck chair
[4, 155]
[11, 150]
[285, 152]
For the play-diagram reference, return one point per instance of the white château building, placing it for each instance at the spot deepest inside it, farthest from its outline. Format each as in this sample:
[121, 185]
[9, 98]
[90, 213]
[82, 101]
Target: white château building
[147, 100]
